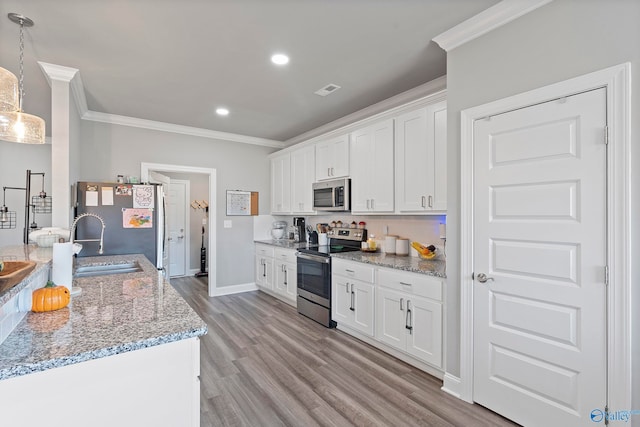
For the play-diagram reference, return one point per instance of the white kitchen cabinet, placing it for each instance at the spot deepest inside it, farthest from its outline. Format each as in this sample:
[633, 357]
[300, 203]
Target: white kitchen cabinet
[332, 158]
[303, 175]
[264, 266]
[352, 300]
[285, 274]
[372, 176]
[281, 184]
[421, 160]
[409, 314]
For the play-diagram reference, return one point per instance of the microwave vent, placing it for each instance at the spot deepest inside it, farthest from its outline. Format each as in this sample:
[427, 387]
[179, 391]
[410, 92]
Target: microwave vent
[330, 88]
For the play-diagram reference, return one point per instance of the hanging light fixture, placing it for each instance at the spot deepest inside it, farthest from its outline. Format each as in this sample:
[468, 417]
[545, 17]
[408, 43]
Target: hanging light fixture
[17, 126]
[9, 100]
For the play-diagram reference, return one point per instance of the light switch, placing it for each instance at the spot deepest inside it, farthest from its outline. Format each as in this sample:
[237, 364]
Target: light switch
[227, 223]
[204, 221]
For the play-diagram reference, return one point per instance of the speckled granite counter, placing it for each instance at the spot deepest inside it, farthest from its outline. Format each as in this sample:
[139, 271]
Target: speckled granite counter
[287, 244]
[435, 267]
[113, 314]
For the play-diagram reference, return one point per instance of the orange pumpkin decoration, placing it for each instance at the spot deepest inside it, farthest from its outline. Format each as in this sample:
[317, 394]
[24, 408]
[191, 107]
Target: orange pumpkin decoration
[50, 298]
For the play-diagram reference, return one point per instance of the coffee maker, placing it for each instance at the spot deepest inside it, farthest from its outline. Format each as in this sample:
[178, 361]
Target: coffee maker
[301, 228]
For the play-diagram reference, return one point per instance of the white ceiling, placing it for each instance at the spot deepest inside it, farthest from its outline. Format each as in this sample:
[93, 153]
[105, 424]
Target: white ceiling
[176, 61]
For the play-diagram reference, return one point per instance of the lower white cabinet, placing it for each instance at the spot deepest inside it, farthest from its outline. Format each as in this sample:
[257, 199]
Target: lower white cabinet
[410, 323]
[397, 309]
[409, 314]
[353, 299]
[264, 266]
[285, 273]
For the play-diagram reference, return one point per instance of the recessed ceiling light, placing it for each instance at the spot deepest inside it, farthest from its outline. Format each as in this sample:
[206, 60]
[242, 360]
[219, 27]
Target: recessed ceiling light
[280, 59]
[222, 111]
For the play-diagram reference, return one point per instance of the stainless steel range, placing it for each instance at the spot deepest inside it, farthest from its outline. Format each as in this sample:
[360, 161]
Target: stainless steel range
[314, 273]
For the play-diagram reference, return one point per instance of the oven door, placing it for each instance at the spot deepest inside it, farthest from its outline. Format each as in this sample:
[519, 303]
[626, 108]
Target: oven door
[314, 278]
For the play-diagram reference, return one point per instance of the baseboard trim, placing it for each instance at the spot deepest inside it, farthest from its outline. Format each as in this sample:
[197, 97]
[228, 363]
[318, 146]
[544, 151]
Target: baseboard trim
[234, 289]
[452, 385]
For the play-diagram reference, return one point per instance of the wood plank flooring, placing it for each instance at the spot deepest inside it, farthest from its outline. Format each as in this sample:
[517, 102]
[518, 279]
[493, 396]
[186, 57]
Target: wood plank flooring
[263, 364]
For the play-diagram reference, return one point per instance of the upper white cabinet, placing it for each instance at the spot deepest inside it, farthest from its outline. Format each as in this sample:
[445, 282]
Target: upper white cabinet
[332, 158]
[303, 175]
[372, 175]
[421, 160]
[281, 184]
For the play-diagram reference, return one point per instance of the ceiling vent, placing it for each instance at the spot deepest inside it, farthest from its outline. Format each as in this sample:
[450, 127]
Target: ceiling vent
[330, 88]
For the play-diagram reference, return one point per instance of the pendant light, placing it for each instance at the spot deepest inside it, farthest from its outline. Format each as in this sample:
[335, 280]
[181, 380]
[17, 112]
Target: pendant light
[18, 126]
[8, 91]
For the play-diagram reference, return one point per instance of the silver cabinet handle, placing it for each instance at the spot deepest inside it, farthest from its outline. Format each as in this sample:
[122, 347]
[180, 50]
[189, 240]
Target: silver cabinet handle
[367, 203]
[373, 204]
[285, 275]
[423, 201]
[347, 287]
[430, 201]
[408, 324]
[483, 278]
[328, 171]
[406, 284]
[401, 303]
[353, 299]
[332, 172]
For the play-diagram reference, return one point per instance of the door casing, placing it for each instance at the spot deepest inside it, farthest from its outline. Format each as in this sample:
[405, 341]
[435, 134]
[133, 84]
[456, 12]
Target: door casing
[616, 80]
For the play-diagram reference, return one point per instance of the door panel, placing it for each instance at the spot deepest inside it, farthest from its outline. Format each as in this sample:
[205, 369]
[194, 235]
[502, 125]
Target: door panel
[177, 207]
[540, 237]
[425, 339]
[390, 318]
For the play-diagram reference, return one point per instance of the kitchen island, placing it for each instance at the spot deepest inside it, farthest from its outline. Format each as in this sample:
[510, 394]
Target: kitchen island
[124, 352]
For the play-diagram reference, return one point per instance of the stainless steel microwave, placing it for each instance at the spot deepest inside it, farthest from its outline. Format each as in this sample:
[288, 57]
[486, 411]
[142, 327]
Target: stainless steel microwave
[334, 195]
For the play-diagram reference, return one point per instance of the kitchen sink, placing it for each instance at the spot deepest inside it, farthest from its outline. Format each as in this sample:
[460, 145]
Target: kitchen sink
[106, 269]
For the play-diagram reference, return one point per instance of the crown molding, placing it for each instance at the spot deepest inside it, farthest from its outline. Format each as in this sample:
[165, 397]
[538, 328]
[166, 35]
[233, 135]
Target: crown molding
[115, 119]
[403, 99]
[67, 75]
[487, 20]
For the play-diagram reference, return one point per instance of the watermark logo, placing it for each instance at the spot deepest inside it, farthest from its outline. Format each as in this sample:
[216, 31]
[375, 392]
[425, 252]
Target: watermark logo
[599, 415]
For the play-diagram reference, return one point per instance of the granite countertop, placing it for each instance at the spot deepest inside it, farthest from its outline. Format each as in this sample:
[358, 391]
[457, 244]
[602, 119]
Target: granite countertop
[283, 243]
[435, 267]
[42, 257]
[113, 314]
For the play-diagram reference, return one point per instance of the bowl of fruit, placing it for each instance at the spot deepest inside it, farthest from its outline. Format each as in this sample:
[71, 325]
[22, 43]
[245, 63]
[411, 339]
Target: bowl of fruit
[425, 252]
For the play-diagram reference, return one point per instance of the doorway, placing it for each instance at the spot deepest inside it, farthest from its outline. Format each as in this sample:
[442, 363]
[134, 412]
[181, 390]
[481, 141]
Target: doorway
[610, 267]
[178, 227]
[146, 168]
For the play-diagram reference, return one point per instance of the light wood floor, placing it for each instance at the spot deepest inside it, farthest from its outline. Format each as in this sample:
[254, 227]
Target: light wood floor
[263, 364]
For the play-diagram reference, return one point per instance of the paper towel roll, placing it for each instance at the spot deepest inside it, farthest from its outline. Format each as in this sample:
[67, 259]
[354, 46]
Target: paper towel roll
[390, 244]
[62, 264]
[322, 239]
[402, 247]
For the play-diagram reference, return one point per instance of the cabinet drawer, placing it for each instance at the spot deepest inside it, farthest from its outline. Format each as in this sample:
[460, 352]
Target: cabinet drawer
[353, 270]
[286, 255]
[264, 250]
[414, 283]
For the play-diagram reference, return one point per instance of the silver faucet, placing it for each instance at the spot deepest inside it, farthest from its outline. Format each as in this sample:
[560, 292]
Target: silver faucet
[73, 230]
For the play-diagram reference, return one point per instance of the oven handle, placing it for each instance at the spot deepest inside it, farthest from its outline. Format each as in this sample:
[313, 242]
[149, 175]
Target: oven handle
[316, 258]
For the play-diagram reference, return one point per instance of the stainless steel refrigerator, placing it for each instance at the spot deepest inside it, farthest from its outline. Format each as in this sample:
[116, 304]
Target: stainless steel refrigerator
[134, 217]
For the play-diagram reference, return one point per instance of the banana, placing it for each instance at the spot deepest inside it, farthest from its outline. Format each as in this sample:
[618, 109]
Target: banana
[428, 252]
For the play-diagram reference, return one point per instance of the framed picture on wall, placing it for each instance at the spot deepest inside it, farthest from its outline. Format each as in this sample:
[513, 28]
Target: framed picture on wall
[241, 203]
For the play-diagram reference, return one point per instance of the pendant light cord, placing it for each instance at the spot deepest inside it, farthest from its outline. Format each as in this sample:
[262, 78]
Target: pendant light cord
[21, 81]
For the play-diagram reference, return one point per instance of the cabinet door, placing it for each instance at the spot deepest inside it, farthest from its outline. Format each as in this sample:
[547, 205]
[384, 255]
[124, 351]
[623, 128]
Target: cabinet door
[303, 174]
[372, 188]
[341, 300]
[363, 301]
[414, 151]
[439, 115]
[381, 174]
[391, 317]
[360, 170]
[281, 184]
[280, 277]
[264, 272]
[421, 159]
[290, 281]
[425, 339]
[332, 158]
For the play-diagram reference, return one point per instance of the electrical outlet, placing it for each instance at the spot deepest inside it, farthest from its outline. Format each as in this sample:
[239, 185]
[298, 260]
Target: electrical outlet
[227, 223]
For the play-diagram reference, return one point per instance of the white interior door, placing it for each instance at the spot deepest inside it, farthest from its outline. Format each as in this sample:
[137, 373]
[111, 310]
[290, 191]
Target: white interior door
[178, 230]
[540, 238]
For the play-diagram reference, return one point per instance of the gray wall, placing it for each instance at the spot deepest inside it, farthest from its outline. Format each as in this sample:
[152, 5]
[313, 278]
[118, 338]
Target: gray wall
[561, 40]
[15, 159]
[109, 150]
